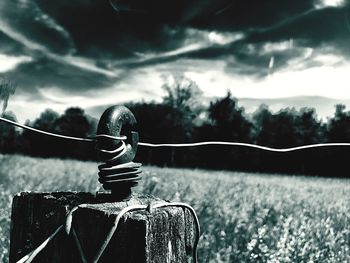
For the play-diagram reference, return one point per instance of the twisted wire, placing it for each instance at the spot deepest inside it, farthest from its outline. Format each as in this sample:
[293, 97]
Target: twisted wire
[30, 256]
[67, 226]
[113, 171]
[147, 208]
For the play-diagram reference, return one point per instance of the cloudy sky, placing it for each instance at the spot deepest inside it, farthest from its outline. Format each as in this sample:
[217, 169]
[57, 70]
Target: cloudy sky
[90, 53]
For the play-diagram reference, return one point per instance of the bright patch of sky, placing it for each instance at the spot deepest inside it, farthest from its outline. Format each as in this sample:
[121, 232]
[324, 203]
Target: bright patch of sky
[330, 80]
[10, 62]
[147, 81]
[212, 76]
[277, 47]
[224, 38]
[330, 3]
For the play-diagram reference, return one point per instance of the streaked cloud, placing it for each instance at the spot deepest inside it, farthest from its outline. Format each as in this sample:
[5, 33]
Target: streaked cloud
[328, 80]
[17, 36]
[27, 23]
[70, 53]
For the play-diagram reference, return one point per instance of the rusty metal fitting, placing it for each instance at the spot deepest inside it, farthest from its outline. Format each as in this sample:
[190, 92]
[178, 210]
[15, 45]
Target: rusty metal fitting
[118, 173]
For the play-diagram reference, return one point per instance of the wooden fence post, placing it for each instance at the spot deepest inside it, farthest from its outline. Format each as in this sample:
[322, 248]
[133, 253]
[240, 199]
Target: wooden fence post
[160, 236]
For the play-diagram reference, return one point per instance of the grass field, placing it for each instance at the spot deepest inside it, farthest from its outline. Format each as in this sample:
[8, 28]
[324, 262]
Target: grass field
[244, 217]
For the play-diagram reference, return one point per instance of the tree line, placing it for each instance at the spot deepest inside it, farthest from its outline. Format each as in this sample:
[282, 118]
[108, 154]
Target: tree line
[183, 117]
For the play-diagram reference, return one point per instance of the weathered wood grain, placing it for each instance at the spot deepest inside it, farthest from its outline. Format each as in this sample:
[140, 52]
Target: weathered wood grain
[165, 235]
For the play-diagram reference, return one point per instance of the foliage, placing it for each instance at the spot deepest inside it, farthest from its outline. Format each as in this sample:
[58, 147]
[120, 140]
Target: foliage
[288, 127]
[7, 88]
[8, 134]
[73, 122]
[226, 122]
[36, 144]
[229, 120]
[182, 116]
[183, 98]
[339, 126]
[183, 95]
[244, 217]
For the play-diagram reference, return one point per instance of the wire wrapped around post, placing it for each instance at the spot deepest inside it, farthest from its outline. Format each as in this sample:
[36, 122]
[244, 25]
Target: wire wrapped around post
[118, 172]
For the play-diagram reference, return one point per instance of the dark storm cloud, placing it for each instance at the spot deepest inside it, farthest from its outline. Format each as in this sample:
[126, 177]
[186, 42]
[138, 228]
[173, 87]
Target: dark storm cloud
[10, 46]
[25, 22]
[98, 31]
[45, 72]
[101, 31]
[123, 37]
[316, 27]
[243, 15]
[311, 28]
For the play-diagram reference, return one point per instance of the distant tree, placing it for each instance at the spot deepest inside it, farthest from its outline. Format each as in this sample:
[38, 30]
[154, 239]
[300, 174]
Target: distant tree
[46, 120]
[183, 98]
[280, 130]
[287, 127]
[309, 128]
[261, 118]
[226, 122]
[74, 122]
[7, 88]
[154, 125]
[8, 134]
[152, 121]
[338, 127]
[335, 159]
[93, 122]
[229, 120]
[339, 110]
[175, 119]
[37, 144]
[182, 93]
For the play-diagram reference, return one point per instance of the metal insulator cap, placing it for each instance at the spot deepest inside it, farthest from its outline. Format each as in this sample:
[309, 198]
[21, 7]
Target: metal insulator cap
[118, 173]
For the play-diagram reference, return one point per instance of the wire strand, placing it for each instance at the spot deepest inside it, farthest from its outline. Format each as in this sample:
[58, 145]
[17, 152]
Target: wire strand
[250, 145]
[89, 139]
[136, 207]
[30, 257]
[195, 144]
[67, 226]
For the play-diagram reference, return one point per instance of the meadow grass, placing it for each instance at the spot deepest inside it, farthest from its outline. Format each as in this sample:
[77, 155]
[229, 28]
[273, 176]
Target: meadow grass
[244, 217]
